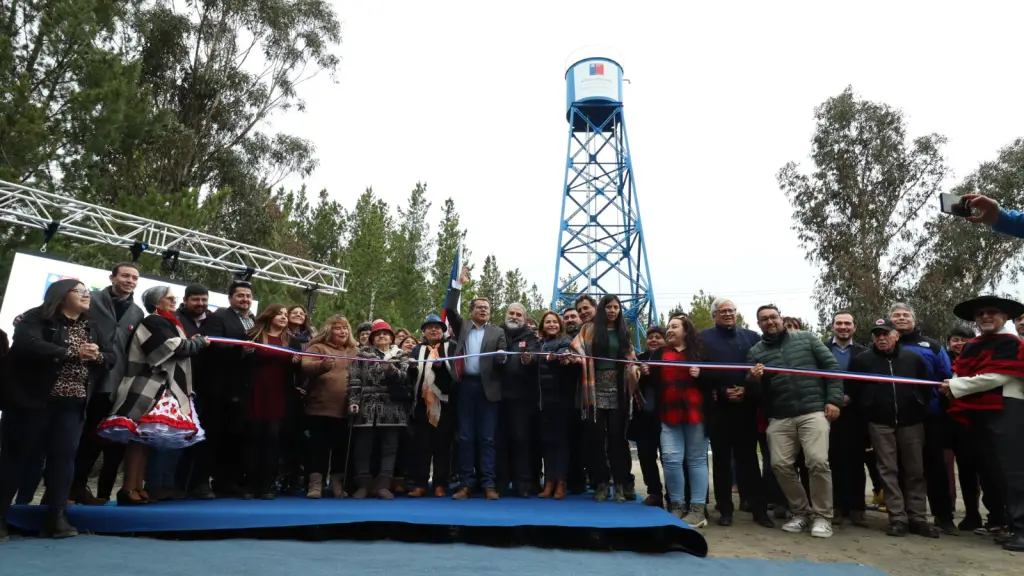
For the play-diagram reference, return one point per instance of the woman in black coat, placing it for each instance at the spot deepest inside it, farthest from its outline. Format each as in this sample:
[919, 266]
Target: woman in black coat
[54, 367]
[556, 380]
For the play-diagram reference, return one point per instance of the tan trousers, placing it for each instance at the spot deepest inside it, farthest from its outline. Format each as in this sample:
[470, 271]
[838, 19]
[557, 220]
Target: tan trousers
[787, 437]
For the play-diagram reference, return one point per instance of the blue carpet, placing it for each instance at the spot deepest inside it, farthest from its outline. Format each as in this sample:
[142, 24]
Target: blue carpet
[104, 555]
[234, 514]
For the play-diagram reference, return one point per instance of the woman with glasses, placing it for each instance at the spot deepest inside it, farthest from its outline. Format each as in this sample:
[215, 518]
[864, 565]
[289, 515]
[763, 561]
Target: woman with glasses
[153, 406]
[54, 368]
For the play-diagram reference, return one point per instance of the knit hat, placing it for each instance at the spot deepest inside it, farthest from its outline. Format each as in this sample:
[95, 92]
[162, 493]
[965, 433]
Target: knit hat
[152, 297]
[432, 319]
[656, 329]
[380, 325]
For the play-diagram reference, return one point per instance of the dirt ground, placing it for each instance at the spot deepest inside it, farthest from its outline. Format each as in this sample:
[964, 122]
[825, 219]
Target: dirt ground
[963, 555]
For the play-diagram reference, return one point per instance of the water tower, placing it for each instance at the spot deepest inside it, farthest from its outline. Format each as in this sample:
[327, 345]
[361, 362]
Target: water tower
[601, 239]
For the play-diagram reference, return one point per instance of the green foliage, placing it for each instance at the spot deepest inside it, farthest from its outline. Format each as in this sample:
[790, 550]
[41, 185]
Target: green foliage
[860, 212]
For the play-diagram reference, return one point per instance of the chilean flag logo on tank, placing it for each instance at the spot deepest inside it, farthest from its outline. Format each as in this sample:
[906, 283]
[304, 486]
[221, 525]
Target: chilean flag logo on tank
[597, 69]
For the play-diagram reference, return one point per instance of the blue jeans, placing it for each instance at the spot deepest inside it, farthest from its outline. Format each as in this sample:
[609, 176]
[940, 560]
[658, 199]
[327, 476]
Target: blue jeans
[161, 469]
[685, 441]
[478, 420]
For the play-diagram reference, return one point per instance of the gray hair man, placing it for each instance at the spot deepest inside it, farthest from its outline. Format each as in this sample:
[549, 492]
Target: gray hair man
[733, 431]
[519, 398]
[936, 359]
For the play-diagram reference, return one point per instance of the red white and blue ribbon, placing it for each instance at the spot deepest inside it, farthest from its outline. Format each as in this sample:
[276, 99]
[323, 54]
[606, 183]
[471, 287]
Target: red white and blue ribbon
[837, 374]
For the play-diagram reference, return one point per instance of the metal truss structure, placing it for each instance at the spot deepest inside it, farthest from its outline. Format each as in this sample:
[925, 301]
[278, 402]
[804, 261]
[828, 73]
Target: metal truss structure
[55, 214]
[601, 242]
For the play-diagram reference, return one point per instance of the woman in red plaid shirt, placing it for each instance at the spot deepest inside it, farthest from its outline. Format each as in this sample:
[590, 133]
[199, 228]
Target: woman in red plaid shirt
[680, 408]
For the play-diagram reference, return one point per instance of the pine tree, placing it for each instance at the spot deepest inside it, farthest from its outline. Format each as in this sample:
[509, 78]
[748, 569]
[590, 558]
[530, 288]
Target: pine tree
[449, 236]
[367, 259]
[410, 251]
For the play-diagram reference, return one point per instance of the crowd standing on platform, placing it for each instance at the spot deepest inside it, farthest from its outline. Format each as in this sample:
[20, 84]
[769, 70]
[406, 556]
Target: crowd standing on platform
[528, 407]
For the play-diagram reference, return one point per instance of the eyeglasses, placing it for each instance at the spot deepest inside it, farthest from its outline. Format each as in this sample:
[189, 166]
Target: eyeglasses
[771, 318]
[81, 291]
[483, 308]
[726, 311]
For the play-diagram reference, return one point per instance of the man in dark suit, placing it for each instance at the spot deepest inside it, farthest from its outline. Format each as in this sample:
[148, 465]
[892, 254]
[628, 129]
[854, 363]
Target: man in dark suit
[223, 421]
[479, 392]
[116, 315]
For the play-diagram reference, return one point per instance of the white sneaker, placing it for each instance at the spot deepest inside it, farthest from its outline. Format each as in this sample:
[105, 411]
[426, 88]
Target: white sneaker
[821, 528]
[695, 517]
[796, 525]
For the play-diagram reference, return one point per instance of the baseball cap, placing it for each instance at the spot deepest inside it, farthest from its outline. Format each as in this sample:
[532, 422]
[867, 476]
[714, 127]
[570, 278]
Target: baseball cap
[882, 325]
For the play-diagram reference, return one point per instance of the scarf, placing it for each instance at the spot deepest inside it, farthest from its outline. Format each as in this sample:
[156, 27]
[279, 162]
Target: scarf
[583, 344]
[1001, 353]
[430, 392]
[170, 317]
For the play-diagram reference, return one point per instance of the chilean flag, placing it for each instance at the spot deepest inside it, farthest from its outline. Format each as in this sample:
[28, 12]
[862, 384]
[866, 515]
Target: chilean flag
[597, 69]
[456, 272]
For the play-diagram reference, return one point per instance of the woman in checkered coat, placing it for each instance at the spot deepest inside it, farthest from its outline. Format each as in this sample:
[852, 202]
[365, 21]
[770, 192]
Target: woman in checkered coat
[153, 405]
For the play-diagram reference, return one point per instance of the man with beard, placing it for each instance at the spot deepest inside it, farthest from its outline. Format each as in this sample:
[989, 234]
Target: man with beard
[518, 404]
[571, 318]
[934, 355]
[988, 395]
[848, 434]
[584, 309]
[196, 466]
[799, 409]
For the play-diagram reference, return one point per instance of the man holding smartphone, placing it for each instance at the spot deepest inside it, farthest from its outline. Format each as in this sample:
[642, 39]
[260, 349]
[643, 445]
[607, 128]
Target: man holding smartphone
[988, 212]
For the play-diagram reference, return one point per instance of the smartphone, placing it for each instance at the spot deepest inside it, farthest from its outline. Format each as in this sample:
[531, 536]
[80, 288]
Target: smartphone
[954, 205]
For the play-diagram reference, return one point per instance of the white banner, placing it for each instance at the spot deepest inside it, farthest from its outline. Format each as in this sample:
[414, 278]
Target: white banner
[31, 275]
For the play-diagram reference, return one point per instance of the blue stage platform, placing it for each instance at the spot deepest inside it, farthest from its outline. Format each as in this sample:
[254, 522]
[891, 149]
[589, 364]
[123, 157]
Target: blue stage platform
[621, 526]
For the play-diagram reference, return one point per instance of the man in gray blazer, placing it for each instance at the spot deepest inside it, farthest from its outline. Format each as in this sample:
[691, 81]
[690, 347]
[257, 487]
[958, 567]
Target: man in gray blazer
[479, 390]
[116, 316]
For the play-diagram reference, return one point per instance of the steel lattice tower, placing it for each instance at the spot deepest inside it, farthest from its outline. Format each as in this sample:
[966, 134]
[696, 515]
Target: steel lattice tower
[601, 239]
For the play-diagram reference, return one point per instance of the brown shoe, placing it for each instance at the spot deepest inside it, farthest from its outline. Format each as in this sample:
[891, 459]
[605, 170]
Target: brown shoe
[315, 490]
[440, 492]
[491, 494]
[337, 486]
[462, 493]
[398, 486]
[418, 492]
[384, 494]
[549, 490]
[84, 497]
[560, 490]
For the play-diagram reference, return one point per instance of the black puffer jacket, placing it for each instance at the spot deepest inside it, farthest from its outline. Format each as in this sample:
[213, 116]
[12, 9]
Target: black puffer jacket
[517, 381]
[555, 381]
[787, 395]
[890, 403]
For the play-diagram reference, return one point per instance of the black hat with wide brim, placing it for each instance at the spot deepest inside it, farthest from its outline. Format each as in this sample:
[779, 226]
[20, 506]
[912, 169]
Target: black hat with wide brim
[965, 310]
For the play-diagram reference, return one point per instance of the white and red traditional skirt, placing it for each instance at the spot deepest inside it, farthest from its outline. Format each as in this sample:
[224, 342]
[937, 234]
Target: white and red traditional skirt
[165, 427]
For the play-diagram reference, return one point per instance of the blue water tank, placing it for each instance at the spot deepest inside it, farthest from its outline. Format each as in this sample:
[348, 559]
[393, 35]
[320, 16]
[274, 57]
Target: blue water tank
[593, 85]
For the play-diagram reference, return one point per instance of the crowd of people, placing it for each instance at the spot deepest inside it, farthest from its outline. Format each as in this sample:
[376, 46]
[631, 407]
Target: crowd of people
[192, 403]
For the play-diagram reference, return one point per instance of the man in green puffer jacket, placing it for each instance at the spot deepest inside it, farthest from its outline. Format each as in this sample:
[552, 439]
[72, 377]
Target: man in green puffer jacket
[799, 409]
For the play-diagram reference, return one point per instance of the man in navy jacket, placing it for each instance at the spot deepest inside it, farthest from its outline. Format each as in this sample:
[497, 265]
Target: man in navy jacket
[939, 369]
[732, 415]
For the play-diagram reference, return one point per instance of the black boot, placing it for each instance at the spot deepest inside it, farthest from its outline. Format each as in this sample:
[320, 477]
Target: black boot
[1015, 544]
[58, 527]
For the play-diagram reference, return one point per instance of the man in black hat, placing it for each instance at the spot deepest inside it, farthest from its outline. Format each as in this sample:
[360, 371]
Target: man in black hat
[895, 414]
[992, 362]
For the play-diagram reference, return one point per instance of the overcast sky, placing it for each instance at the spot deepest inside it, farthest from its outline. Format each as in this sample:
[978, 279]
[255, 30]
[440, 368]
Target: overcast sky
[469, 97]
